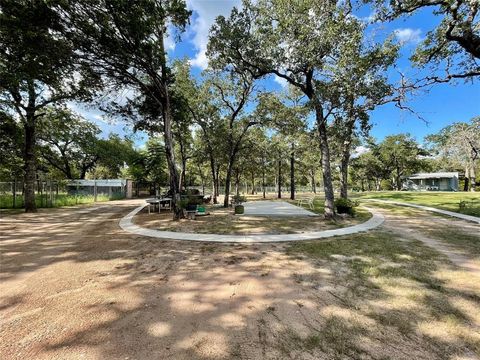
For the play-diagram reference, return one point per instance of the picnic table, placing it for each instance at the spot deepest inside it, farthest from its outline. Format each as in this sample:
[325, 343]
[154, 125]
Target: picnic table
[162, 203]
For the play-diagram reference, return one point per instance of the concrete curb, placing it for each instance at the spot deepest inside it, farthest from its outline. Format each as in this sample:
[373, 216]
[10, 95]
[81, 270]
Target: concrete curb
[428, 208]
[127, 224]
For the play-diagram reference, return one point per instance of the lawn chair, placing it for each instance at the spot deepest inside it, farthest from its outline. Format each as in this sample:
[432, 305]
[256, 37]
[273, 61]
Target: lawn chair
[307, 201]
[190, 211]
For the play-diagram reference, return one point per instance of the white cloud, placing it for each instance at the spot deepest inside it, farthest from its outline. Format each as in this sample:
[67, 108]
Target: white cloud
[360, 150]
[100, 118]
[169, 43]
[205, 13]
[280, 81]
[408, 35]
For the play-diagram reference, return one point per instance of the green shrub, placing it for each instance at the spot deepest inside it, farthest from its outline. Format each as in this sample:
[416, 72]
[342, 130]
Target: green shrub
[346, 206]
[386, 185]
[238, 199]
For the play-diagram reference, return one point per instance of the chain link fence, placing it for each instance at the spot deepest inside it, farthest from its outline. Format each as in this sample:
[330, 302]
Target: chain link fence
[56, 193]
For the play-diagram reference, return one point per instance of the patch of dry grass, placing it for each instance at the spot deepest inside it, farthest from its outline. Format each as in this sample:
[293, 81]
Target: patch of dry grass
[394, 292]
[461, 240]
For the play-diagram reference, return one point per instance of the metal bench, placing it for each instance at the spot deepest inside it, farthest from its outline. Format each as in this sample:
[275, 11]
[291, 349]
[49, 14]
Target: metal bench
[307, 201]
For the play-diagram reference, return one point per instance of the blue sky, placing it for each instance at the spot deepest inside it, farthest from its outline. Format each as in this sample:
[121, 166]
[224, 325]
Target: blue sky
[442, 105]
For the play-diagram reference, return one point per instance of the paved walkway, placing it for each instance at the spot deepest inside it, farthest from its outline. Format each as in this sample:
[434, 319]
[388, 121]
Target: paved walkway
[428, 208]
[275, 208]
[127, 224]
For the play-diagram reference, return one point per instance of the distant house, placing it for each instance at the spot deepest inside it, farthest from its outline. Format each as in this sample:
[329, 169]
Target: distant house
[439, 181]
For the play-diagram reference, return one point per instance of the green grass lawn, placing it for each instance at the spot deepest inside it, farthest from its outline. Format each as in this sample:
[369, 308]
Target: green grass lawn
[442, 200]
[62, 199]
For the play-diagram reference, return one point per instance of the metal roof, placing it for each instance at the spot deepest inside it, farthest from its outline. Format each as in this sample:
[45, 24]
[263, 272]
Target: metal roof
[99, 182]
[435, 175]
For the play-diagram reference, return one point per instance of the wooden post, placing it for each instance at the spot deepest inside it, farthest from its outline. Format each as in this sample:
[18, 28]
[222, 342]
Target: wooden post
[95, 189]
[14, 193]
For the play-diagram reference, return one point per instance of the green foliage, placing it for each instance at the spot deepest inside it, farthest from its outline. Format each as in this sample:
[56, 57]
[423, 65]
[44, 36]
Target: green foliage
[11, 145]
[40, 66]
[345, 206]
[113, 154]
[125, 41]
[457, 148]
[68, 142]
[469, 207]
[453, 45]
[238, 199]
[36, 55]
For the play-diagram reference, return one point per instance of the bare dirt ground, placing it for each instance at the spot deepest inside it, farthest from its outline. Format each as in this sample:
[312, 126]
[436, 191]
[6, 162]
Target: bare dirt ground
[75, 286]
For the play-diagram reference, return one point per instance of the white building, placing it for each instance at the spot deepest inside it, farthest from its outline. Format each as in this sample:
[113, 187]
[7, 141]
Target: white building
[438, 181]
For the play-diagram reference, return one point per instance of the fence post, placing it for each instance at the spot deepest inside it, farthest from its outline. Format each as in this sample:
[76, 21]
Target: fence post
[95, 189]
[39, 189]
[14, 193]
[51, 193]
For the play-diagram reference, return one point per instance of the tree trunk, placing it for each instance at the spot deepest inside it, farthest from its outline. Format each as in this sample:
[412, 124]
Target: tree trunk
[279, 195]
[325, 162]
[182, 181]
[314, 185]
[472, 178]
[83, 173]
[398, 179]
[168, 136]
[213, 200]
[344, 165]
[346, 149]
[217, 186]
[263, 182]
[30, 163]
[228, 179]
[344, 175]
[465, 184]
[237, 183]
[183, 174]
[172, 169]
[292, 172]
[253, 185]
[68, 169]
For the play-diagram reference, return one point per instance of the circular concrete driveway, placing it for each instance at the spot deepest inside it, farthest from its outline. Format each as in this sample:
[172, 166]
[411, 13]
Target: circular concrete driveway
[127, 224]
[275, 208]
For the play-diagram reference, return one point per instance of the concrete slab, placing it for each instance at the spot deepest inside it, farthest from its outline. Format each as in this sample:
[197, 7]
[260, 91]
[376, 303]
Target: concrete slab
[275, 208]
[127, 224]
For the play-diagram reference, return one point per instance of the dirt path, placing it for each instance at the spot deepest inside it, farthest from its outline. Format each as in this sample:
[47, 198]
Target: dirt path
[75, 286]
[415, 227]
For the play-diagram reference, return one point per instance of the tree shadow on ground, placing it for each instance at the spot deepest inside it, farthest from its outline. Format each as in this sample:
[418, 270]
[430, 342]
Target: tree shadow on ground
[106, 294]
